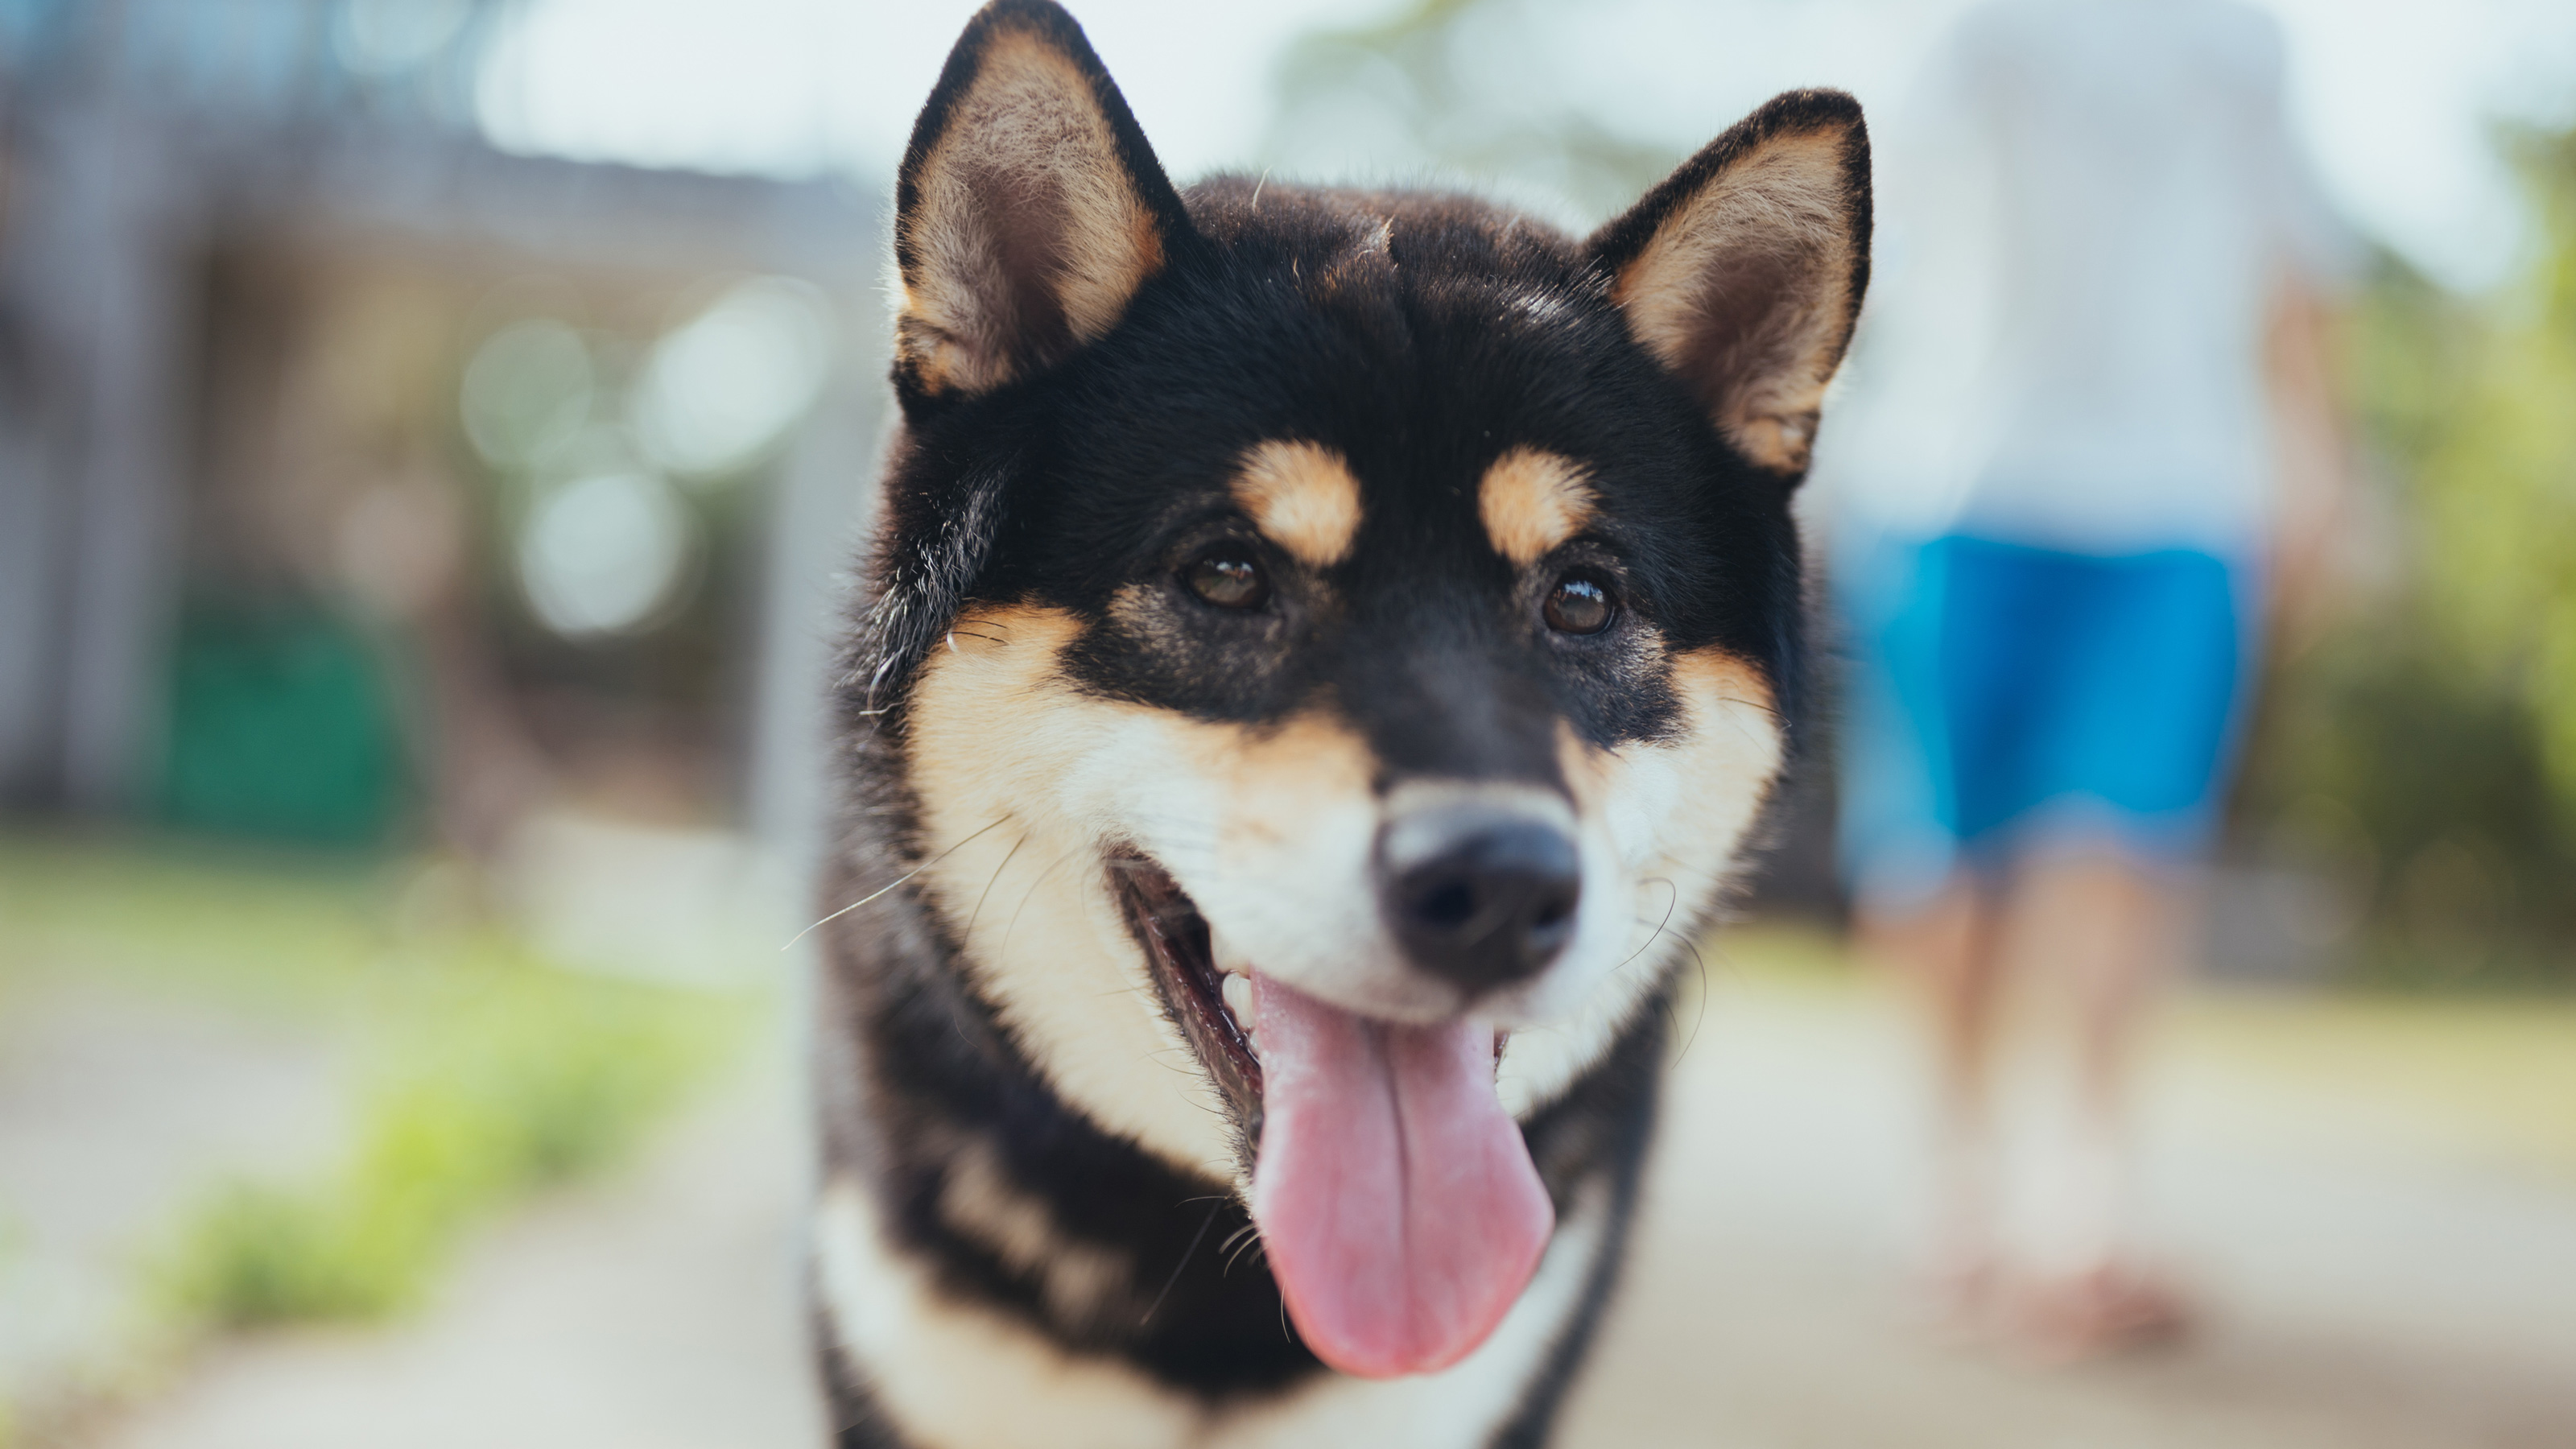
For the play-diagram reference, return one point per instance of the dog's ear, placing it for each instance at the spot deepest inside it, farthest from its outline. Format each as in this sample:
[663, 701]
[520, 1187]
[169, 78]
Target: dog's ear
[1028, 211]
[1743, 270]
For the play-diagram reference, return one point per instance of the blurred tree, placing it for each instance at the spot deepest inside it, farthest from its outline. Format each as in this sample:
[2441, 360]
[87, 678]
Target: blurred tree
[1410, 89]
[2498, 487]
[2428, 747]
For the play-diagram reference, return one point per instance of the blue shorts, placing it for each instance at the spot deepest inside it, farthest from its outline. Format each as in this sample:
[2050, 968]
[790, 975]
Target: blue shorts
[2001, 693]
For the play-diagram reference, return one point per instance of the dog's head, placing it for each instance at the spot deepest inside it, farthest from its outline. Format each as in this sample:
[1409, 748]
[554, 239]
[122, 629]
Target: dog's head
[1329, 639]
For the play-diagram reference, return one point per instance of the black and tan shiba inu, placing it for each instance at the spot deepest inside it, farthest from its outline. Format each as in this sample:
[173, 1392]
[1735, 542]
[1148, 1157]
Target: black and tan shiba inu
[1323, 655]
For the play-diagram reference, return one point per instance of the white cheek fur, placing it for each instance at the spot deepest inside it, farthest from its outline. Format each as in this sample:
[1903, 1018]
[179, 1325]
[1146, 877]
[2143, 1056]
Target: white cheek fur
[1272, 835]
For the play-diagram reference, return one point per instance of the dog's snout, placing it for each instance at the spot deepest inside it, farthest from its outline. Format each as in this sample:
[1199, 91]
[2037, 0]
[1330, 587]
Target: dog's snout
[1481, 896]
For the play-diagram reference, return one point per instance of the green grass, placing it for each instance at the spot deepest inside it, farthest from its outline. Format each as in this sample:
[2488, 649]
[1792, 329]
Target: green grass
[496, 1077]
[1779, 951]
[2495, 1075]
[486, 1073]
[11, 1244]
[269, 925]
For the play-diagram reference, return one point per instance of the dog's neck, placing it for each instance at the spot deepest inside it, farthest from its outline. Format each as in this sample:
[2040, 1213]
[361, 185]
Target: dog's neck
[1024, 1203]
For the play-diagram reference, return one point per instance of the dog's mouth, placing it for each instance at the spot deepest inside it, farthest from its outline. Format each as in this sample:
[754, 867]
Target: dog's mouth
[1398, 1204]
[1212, 1005]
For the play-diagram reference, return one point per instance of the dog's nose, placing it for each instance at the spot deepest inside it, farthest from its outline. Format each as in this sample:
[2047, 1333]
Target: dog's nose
[1479, 895]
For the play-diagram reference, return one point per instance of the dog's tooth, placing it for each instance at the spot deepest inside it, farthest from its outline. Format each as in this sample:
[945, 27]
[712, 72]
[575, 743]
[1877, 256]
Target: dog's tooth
[1221, 952]
[1238, 1000]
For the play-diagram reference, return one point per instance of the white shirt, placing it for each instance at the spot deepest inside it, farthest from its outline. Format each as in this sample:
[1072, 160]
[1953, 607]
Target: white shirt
[2084, 216]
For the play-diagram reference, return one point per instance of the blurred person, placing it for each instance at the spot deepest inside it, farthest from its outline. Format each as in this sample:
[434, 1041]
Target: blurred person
[2093, 453]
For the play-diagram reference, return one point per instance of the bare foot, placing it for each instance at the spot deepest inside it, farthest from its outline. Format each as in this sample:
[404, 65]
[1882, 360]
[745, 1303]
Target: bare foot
[2115, 1308]
[1955, 1296]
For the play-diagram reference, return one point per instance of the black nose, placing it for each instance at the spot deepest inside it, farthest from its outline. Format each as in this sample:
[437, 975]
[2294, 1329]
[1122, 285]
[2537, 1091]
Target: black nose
[1479, 895]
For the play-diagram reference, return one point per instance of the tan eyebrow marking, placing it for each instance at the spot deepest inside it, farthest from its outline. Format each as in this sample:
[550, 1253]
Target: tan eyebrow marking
[1303, 498]
[1531, 502]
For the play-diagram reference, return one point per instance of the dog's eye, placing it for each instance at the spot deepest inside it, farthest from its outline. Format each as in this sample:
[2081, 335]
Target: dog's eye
[1229, 577]
[1580, 604]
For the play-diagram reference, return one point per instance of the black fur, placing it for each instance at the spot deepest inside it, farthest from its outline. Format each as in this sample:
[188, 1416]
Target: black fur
[1421, 336]
[1418, 362]
[943, 1074]
[940, 1072]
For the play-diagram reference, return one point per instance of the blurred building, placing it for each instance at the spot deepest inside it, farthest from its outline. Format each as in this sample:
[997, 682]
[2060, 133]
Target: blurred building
[352, 470]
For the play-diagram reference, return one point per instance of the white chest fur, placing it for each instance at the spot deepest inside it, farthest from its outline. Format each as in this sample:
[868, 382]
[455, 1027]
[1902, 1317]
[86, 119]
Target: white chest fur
[956, 1375]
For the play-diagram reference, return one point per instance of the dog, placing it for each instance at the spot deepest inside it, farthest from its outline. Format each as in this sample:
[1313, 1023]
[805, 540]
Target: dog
[1322, 658]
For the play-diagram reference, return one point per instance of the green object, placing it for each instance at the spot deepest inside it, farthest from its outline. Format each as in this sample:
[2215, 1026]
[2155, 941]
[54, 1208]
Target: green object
[282, 725]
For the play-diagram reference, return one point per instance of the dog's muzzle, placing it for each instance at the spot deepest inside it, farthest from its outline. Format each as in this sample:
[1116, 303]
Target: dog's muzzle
[1481, 895]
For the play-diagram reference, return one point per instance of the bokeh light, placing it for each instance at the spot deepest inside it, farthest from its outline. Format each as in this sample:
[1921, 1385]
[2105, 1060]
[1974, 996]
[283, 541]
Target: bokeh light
[387, 37]
[527, 392]
[725, 386]
[605, 554]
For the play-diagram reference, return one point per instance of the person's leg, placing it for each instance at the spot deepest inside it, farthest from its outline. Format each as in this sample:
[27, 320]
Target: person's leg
[2101, 930]
[1943, 951]
[2098, 928]
[2087, 703]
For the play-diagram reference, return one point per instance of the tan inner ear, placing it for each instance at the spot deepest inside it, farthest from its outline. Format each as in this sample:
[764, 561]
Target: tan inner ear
[1532, 502]
[1776, 219]
[1303, 498]
[1026, 144]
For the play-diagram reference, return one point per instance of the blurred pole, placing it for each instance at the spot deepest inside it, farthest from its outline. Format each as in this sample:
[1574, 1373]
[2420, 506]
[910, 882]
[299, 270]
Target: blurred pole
[32, 521]
[93, 278]
[125, 564]
[816, 529]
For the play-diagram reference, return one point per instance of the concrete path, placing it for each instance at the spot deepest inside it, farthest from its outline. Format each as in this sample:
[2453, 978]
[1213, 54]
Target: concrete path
[116, 1107]
[2358, 1294]
[2365, 1291]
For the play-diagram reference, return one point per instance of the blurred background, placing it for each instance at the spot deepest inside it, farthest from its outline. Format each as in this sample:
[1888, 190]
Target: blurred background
[432, 437]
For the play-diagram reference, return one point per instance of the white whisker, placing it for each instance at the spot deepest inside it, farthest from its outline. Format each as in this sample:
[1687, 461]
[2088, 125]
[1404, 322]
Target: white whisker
[890, 885]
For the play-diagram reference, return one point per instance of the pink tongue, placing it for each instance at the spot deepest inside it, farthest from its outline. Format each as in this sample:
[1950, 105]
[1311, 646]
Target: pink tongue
[1396, 1201]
